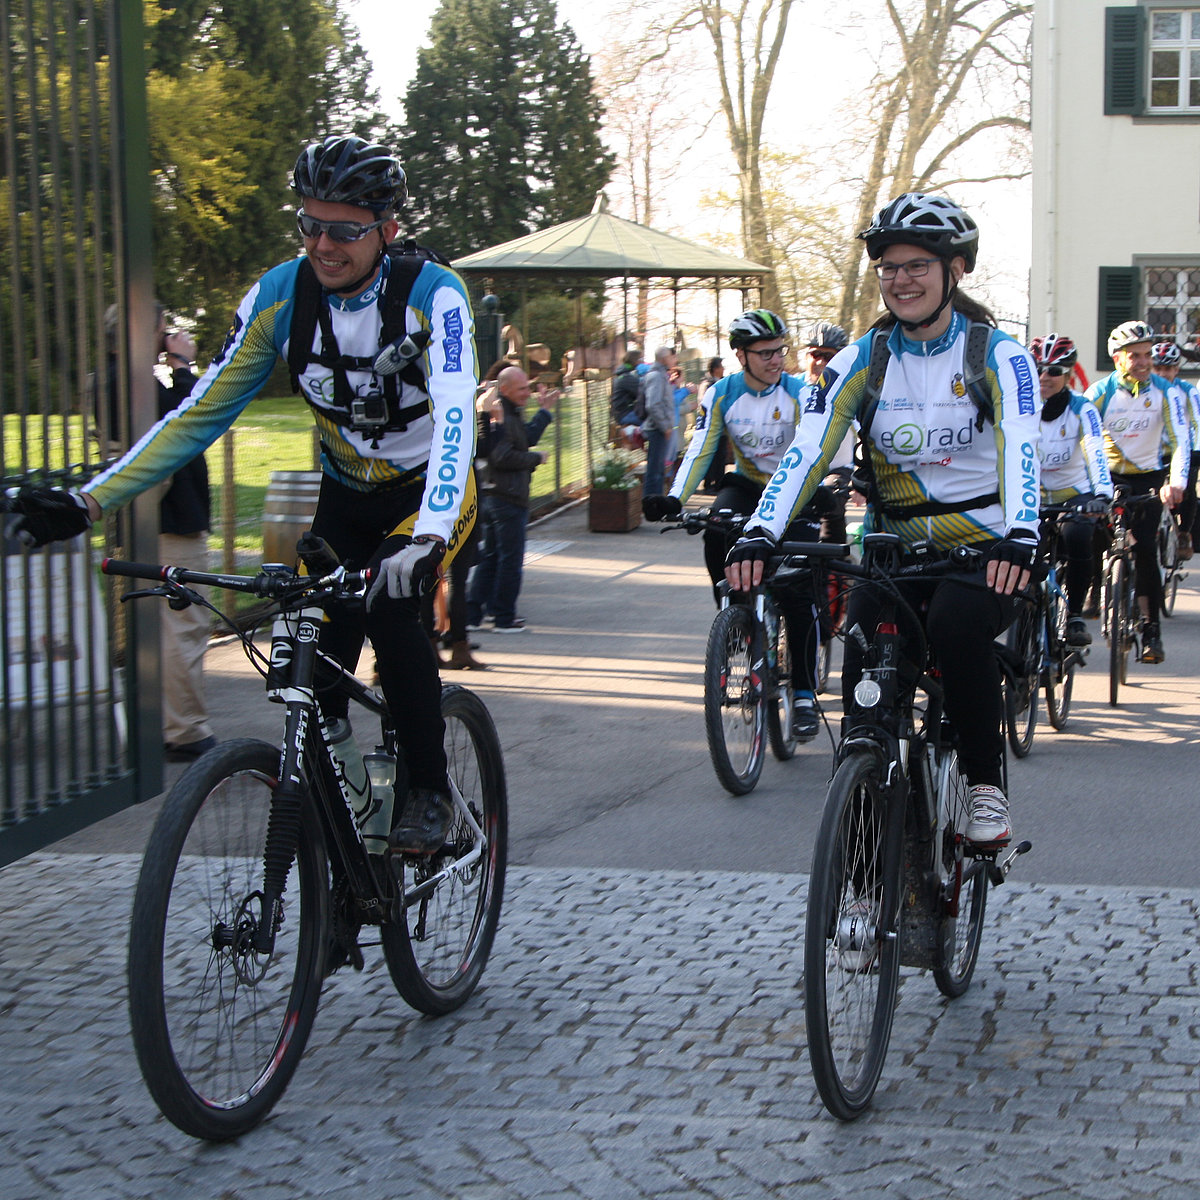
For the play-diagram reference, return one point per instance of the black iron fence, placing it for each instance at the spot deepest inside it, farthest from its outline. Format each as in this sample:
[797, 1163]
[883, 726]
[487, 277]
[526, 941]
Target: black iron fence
[78, 739]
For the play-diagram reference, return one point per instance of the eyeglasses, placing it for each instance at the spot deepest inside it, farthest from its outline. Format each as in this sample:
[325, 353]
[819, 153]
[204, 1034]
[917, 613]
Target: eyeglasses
[1054, 372]
[820, 355]
[767, 355]
[914, 268]
[338, 231]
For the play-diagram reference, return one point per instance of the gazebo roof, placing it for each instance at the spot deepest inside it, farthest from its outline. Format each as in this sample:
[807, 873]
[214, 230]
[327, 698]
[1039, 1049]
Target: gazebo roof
[601, 246]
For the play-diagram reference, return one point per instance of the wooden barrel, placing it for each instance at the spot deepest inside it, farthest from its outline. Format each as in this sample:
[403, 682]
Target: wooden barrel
[288, 509]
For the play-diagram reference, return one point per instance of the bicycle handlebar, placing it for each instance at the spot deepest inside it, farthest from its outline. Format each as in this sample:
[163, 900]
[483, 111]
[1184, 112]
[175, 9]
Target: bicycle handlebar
[265, 584]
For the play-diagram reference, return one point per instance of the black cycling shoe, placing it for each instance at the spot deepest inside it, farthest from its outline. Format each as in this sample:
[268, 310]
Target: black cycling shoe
[423, 822]
[1077, 632]
[806, 721]
[1152, 647]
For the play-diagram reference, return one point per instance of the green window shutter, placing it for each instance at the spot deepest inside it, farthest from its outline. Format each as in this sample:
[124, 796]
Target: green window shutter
[1120, 289]
[1124, 61]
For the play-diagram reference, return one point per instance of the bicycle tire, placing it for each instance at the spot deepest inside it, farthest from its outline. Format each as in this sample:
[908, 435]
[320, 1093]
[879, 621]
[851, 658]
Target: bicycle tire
[824, 663]
[779, 710]
[1118, 622]
[1170, 591]
[964, 887]
[851, 965]
[437, 952]
[735, 701]
[1060, 666]
[1021, 692]
[1168, 560]
[218, 1030]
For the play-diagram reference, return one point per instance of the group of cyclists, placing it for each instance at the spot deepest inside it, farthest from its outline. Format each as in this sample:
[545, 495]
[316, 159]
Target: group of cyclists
[955, 449]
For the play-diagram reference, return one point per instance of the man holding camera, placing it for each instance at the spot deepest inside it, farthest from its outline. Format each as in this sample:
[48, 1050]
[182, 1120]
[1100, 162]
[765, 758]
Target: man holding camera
[396, 417]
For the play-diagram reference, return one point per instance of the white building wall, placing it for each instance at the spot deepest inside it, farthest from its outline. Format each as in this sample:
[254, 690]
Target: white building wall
[1106, 189]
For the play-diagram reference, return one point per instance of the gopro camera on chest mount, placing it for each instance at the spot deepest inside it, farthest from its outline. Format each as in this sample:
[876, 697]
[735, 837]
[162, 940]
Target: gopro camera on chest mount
[368, 411]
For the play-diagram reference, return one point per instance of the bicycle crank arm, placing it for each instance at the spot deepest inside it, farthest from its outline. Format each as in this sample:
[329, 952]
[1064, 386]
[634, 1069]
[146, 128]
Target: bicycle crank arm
[460, 866]
[998, 872]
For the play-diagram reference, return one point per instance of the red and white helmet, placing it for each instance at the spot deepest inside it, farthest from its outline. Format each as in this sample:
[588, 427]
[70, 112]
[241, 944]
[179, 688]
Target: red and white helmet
[1054, 350]
[1166, 354]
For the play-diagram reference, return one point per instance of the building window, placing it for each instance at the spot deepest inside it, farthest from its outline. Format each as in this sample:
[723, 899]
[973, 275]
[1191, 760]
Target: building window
[1174, 60]
[1173, 300]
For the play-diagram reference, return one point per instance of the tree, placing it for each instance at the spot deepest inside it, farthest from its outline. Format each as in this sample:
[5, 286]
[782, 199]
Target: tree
[933, 103]
[502, 126]
[234, 90]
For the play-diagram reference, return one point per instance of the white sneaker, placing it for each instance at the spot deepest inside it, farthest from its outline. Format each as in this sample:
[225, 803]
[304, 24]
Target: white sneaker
[988, 825]
[856, 938]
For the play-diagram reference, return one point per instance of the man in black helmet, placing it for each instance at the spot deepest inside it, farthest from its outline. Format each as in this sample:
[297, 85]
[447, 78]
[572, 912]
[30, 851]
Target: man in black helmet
[393, 401]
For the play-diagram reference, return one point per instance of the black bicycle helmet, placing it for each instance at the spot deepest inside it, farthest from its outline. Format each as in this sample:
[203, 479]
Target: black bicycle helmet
[826, 336]
[758, 325]
[931, 222]
[345, 169]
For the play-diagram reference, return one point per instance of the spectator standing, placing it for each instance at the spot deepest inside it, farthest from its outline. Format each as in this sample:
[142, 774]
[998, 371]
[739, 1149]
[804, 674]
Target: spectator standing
[660, 417]
[496, 581]
[623, 406]
[716, 468]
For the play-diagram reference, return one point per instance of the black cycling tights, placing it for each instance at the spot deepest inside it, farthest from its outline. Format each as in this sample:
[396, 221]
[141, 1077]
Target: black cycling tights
[961, 623]
[356, 525]
[1144, 527]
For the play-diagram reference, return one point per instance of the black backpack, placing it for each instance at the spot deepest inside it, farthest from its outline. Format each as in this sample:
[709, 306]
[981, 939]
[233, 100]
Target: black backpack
[974, 380]
[310, 310]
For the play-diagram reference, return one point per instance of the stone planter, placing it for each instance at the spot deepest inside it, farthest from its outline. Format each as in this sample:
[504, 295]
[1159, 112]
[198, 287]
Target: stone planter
[614, 511]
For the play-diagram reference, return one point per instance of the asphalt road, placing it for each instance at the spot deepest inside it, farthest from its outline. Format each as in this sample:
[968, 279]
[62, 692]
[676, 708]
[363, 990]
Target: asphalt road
[599, 710]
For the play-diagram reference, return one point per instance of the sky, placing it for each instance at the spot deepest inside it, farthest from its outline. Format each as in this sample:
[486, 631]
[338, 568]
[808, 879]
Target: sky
[807, 90]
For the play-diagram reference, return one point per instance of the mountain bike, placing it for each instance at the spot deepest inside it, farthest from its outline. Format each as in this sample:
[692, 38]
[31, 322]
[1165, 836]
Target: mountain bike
[893, 880]
[263, 866]
[1038, 653]
[1121, 617]
[748, 692]
[1170, 565]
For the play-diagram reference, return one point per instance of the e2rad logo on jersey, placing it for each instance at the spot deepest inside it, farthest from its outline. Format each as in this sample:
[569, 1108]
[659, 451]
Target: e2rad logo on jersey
[917, 442]
[444, 495]
[452, 323]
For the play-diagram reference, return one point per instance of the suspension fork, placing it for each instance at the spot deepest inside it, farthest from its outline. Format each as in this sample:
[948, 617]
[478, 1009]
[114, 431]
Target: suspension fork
[293, 664]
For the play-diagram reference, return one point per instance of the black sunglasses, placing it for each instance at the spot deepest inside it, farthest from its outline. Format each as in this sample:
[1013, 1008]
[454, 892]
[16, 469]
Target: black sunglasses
[338, 231]
[1054, 372]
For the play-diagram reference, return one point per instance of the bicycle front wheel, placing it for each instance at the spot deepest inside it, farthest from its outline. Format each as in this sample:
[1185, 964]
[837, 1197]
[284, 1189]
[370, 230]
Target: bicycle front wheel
[218, 1026]
[964, 884]
[437, 951]
[1060, 668]
[779, 708]
[1117, 583]
[1021, 691]
[851, 947]
[735, 701]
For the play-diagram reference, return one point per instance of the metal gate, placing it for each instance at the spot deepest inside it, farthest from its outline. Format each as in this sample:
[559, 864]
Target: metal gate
[77, 739]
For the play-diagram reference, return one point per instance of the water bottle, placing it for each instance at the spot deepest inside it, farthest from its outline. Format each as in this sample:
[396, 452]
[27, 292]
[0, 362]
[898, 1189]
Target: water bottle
[381, 770]
[353, 768]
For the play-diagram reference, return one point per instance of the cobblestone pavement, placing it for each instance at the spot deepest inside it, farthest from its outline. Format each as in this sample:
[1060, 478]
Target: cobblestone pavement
[635, 1035]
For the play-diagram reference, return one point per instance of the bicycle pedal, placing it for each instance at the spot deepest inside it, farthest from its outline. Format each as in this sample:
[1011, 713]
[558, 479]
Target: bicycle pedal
[998, 872]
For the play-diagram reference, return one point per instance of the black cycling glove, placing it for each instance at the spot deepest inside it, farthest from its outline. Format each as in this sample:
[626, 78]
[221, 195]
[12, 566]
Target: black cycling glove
[757, 546]
[1094, 504]
[1020, 553]
[661, 508]
[47, 515]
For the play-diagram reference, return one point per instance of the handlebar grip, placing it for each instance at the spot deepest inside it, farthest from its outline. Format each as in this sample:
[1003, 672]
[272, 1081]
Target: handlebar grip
[316, 554]
[134, 570]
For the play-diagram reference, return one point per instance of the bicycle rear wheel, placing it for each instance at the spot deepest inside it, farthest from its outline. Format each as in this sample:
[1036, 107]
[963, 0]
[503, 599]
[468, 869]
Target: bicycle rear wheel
[1061, 663]
[218, 1027]
[851, 964]
[1117, 599]
[437, 951]
[779, 708]
[963, 887]
[735, 701]
[1021, 690]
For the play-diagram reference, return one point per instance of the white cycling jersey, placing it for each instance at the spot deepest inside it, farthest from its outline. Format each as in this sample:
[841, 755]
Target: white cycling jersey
[928, 451]
[1071, 449]
[1143, 424]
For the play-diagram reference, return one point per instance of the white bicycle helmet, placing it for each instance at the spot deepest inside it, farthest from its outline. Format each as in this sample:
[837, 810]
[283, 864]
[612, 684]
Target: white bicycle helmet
[931, 222]
[1130, 333]
[1054, 350]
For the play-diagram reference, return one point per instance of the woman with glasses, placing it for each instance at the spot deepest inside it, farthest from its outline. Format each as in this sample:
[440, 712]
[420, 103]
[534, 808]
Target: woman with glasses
[759, 408]
[948, 417]
[1074, 469]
